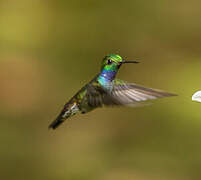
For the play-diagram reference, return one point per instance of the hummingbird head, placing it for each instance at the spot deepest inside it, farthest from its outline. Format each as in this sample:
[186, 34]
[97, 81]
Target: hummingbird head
[113, 62]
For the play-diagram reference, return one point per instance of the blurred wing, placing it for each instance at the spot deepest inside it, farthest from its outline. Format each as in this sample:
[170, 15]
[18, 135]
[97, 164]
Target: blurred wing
[122, 94]
[129, 93]
[96, 96]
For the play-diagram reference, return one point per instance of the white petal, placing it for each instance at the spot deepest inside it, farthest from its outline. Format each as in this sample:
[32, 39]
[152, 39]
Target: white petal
[197, 96]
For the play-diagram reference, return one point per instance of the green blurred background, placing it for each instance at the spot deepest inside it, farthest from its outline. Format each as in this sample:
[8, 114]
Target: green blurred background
[49, 49]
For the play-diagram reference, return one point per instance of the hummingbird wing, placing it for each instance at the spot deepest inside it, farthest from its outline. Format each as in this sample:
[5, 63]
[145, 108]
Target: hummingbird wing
[130, 93]
[123, 93]
[96, 96]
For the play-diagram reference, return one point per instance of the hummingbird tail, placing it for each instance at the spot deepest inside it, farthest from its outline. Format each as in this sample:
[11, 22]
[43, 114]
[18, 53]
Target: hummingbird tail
[69, 110]
[56, 122]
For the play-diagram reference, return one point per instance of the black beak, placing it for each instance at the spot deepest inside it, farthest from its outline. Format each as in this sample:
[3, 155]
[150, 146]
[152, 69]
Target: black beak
[124, 61]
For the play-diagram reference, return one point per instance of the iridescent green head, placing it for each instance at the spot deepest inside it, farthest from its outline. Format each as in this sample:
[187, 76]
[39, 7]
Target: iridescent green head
[112, 62]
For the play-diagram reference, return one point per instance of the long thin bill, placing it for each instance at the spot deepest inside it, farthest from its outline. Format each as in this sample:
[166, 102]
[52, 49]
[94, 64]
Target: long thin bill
[124, 61]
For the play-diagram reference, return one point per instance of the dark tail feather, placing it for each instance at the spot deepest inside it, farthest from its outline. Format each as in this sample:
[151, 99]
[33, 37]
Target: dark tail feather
[56, 122]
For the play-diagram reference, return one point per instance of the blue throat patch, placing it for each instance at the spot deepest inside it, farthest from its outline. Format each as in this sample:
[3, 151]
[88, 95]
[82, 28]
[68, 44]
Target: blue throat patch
[106, 77]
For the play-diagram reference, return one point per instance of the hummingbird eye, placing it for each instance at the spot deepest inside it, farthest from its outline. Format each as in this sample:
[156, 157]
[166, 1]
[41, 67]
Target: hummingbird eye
[109, 61]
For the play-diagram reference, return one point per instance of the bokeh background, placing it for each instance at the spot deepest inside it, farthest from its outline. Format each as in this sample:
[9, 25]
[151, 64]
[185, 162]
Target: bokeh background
[49, 49]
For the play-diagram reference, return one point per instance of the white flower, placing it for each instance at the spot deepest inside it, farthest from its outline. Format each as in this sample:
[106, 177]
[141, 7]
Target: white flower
[197, 96]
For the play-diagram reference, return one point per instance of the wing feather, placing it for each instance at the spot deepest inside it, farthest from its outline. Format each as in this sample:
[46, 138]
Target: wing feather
[122, 94]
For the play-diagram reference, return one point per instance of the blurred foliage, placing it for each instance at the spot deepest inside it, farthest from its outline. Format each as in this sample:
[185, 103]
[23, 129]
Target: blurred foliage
[49, 49]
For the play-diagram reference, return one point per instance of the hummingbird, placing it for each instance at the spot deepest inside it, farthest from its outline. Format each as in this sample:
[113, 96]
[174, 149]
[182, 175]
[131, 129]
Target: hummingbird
[106, 90]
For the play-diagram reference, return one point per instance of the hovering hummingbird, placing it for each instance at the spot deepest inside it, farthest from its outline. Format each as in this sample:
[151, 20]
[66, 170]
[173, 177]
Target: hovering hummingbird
[106, 90]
